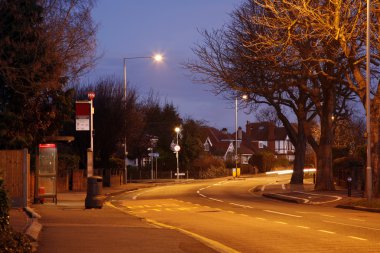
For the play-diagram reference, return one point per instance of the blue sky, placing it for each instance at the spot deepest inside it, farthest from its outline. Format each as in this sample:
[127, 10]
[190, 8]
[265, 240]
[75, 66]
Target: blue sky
[129, 28]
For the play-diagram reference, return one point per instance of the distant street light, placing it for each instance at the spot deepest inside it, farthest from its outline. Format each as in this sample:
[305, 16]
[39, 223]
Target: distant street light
[244, 97]
[156, 58]
[177, 148]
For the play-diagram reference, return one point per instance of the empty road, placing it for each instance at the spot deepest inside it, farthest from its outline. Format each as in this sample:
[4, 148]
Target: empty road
[229, 216]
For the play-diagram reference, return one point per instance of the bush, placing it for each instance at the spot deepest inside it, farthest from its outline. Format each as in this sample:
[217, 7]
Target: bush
[10, 241]
[209, 167]
[265, 161]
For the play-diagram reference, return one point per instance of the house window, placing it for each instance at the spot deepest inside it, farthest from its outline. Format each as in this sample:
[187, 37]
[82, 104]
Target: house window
[263, 144]
[206, 147]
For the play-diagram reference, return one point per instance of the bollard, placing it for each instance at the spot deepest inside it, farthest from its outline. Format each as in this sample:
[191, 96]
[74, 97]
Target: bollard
[349, 186]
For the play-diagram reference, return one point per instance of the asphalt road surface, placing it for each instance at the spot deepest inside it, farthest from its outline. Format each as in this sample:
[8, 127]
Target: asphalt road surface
[229, 216]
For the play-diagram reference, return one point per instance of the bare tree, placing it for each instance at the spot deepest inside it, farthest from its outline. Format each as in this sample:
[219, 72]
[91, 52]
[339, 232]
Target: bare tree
[268, 114]
[343, 23]
[72, 34]
[269, 52]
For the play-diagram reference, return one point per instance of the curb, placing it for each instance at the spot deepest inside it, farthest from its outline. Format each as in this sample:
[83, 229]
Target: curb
[360, 208]
[33, 227]
[283, 198]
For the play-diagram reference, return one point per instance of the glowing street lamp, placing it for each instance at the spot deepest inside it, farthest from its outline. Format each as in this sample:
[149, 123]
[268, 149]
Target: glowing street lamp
[156, 58]
[177, 148]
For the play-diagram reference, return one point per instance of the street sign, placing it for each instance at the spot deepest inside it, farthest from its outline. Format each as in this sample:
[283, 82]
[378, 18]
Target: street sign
[155, 155]
[83, 113]
[180, 174]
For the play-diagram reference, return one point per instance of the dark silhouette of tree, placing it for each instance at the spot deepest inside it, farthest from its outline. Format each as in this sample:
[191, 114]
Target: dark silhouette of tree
[35, 67]
[109, 120]
[191, 145]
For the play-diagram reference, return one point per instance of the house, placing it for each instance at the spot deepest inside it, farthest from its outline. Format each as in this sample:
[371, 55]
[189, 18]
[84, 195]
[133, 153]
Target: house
[221, 144]
[266, 135]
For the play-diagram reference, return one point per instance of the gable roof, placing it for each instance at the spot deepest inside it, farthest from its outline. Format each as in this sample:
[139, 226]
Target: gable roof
[220, 141]
[265, 131]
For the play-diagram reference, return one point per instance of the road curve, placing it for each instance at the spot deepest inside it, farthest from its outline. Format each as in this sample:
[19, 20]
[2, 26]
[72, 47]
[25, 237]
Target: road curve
[227, 214]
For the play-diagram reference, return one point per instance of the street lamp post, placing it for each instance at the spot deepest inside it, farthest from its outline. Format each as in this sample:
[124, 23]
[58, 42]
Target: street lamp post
[177, 149]
[236, 131]
[368, 106]
[157, 58]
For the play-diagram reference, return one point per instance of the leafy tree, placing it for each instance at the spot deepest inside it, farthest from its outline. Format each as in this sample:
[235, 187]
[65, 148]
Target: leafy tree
[157, 121]
[191, 143]
[34, 99]
[29, 75]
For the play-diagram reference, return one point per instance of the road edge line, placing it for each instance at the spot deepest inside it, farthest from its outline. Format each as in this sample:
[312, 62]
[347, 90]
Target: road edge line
[219, 247]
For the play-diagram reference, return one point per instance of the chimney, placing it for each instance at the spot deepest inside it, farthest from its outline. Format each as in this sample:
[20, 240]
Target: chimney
[240, 133]
[224, 130]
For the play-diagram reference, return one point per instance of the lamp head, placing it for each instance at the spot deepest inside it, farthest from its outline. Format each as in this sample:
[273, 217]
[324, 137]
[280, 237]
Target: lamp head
[158, 57]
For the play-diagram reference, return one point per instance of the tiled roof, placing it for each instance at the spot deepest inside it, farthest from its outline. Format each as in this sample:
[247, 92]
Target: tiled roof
[221, 141]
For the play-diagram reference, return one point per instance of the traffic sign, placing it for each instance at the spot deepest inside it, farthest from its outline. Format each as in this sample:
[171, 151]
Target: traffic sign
[180, 174]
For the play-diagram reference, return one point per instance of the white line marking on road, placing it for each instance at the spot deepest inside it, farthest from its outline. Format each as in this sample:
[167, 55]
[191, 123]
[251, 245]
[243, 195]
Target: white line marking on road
[244, 215]
[304, 227]
[259, 218]
[244, 206]
[263, 188]
[283, 186]
[230, 211]
[326, 215]
[356, 219]
[286, 214]
[281, 222]
[322, 202]
[358, 238]
[350, 225]
[326, 231]
[200, 194]
[216, 199]
[215, 245]
[292, 197]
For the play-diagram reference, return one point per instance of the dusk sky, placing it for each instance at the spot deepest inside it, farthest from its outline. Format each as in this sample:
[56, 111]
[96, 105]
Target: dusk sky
[130, 28]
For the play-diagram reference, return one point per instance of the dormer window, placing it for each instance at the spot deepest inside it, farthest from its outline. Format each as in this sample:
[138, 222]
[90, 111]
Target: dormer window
[206, 146]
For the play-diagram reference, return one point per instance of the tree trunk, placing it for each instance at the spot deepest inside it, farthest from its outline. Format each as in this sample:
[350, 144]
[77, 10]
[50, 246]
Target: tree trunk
[325, 180]
[299, 156]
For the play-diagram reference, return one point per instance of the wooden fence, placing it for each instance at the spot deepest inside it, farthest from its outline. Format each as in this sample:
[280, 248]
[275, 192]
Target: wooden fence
[14, 170]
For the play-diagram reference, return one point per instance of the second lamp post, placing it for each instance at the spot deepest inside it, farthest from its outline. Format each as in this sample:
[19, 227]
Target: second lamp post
[156, 58]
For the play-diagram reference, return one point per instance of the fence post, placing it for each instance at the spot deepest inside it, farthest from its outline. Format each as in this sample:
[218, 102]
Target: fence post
[25, 178]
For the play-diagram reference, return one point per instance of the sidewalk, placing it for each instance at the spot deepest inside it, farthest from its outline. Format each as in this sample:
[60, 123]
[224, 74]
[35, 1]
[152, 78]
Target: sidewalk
[305, 194]
[69, 227]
